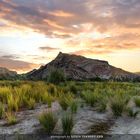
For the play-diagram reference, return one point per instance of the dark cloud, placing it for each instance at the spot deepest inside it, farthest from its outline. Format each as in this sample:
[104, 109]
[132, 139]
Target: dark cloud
[48, 48]
[9, 57]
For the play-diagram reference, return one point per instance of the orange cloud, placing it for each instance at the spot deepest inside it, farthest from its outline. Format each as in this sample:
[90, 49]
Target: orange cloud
[61, 14]
[17, 65]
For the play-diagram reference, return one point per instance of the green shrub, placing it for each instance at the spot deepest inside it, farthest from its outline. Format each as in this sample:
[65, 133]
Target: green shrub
[56, 76]
[48, 121]
[67, 124]
[132, 113]
[137, 102]
[1, 110]
[74, 106]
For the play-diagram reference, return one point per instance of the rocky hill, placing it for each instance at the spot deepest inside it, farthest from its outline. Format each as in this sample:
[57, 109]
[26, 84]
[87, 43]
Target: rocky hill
[6, 74]
[81, 68]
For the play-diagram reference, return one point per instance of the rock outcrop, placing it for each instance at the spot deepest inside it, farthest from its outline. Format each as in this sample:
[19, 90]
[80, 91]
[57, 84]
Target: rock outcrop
[81, 68]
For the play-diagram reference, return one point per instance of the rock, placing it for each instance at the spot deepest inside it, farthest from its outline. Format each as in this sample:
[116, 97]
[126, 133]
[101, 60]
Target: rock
[81, 68]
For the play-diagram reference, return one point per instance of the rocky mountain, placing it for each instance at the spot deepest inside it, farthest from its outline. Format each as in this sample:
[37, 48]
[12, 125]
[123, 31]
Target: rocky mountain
[81, 68]
[7, 74]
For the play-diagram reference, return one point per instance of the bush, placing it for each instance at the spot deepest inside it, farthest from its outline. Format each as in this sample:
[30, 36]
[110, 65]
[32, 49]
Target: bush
[137, 102]
[48, 121]
[1, 110]
[56, 76]
[67, 124]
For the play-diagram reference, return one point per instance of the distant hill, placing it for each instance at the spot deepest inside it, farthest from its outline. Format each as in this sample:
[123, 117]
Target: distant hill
[81, 68]
[6, 74]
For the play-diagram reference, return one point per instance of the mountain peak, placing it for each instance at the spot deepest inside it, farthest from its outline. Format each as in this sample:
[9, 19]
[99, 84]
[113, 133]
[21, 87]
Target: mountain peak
[78, 67]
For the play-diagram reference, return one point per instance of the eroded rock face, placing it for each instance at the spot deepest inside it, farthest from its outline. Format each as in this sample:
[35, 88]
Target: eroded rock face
[81, 68]
[7, 74]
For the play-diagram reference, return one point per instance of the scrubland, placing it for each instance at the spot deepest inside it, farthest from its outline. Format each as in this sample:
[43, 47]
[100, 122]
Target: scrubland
[116, 97]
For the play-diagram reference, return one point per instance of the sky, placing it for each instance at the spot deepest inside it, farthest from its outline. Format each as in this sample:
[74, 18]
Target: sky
[33, 32]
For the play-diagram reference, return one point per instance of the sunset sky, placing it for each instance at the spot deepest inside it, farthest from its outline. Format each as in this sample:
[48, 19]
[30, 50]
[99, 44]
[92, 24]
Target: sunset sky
[33, 32]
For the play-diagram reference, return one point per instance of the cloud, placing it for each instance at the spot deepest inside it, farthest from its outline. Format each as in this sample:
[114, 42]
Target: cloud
[48, 49]
[91, 52]
[66, 18]
[9, 57]
[17, 65]
[84, 26]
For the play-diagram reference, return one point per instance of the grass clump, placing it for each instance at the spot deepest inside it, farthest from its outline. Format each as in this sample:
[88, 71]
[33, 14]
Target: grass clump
[11, 118]
[31, 103]
[90, 98]
[132, 113]
[13, 104]
[63, 103]
[67, 124]
[47, 99]
[137, 102]
[118, 105]
[102, 106]
[48, 121]
[1, 110]
[65, 100]
[74, 106]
